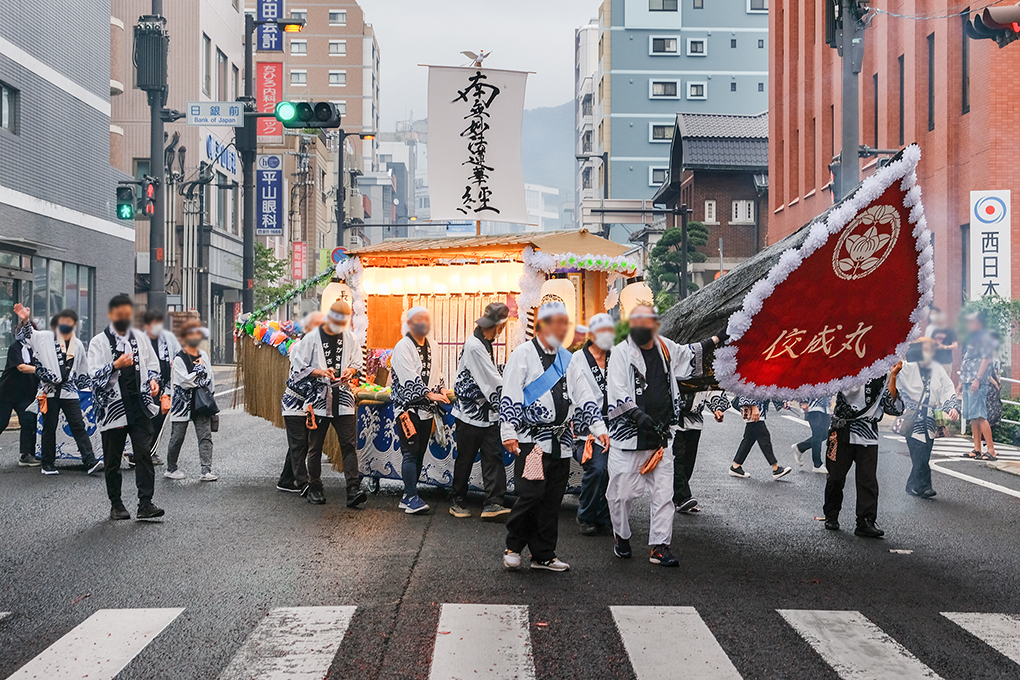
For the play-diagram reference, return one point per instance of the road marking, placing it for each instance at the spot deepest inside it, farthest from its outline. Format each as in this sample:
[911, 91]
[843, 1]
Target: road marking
[855, 647]
[974, 480]
[664, 641]
[799, 421]
[220, 394]
[483, 641]
[99, 647]
[291, 643]
[1001, 632]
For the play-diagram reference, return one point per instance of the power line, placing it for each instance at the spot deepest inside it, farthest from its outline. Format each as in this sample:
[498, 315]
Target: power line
[930, 17]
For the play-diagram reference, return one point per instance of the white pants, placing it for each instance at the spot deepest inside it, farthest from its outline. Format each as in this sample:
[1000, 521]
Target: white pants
[626, 484]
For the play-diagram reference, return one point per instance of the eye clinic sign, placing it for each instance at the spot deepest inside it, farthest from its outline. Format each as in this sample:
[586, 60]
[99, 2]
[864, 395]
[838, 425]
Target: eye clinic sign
[990, 247]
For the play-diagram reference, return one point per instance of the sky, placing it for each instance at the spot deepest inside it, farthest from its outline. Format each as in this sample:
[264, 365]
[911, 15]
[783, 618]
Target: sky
[523, 35]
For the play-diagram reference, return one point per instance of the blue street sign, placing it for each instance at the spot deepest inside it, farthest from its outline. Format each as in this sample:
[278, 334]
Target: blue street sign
[269, 195]
[268, 36]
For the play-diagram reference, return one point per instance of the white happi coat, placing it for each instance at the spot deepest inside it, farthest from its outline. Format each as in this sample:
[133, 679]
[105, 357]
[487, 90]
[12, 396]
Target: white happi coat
[941, 394]
[580, 371]
[478, 386]
[308, 355]
[167, 347]
[47, 366]
[185, 382]
[109, 404]
[407, 388]
[864, 426]
[293, 402]
[693, 417]
[529, 424]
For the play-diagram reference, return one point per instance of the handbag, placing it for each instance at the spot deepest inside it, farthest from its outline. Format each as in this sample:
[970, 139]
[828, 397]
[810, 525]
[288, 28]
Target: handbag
[904, 424]
[993, 404]
[203, 403]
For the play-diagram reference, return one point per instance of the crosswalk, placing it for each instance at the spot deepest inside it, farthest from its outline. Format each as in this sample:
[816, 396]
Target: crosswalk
[958, 446]
[493, 642]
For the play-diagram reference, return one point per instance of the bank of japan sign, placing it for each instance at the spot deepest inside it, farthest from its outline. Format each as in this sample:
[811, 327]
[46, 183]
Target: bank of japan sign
[269, 207]
[990, 251]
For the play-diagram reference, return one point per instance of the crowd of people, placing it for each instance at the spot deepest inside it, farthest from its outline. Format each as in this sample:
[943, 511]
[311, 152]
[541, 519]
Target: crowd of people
[619, 408]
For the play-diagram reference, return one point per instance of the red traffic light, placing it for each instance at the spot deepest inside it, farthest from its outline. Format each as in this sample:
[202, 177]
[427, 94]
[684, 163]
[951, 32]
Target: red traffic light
[150, 209]
[150, 190]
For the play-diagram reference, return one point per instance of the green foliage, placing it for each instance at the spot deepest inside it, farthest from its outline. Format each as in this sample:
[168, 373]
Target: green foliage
[269, 269]
[1000, 314]
[622, 331]
[664, 300]
[665, 262]
[1004, 432]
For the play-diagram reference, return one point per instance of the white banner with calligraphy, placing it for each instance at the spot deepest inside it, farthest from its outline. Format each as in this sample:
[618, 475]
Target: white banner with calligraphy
[990, 220]
[474, 151]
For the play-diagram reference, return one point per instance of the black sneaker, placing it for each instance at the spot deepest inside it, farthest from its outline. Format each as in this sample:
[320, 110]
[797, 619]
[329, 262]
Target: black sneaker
[781, 472]
[621, 547]
[316, 496]
[289, 487]
[93, 466]
[118, 511]
[157, 461]
[738, 472]
[458, 510]
[148, 510]
[832, 524]
[661, 556]
[356, 497]
[48, 469]
[687, 505]
[589, 529]
[868, 529]
[29, 460]
[494, 512]
[929, 493]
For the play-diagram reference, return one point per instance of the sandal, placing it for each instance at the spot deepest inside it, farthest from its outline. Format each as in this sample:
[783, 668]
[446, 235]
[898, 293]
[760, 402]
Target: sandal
[990, 457]
[973, 455]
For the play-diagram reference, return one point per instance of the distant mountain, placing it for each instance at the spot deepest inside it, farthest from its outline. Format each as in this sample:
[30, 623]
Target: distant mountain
[547, 148]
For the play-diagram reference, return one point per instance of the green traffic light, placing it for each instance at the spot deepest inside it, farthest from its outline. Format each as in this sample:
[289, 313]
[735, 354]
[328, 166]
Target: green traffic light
[125, 211]
[285, 112]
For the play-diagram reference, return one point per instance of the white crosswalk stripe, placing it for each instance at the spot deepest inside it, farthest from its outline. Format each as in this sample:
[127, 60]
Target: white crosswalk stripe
[957, 446]
[291, 643]
[99, 647]
[483, 641]
[664, 641]
[1001, 632]
[855, 647]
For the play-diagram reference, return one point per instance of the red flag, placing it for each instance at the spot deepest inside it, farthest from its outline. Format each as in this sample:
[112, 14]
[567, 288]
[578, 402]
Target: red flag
[843, 307]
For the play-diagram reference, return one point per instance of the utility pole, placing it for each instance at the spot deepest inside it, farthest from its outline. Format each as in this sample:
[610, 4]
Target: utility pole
[341, 190]
[247, 147]
[848, 38]
[683, 210]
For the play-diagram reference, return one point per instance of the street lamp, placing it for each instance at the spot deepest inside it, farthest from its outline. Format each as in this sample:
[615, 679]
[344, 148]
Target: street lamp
[341, 192]
[604, 157]
[247, 146]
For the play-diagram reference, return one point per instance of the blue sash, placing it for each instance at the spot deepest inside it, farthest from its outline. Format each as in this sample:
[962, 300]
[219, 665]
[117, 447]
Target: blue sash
[543, 383]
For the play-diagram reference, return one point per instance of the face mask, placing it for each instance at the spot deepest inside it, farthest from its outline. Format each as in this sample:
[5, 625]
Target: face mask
[605, 341]
[419, 329]
[926, 358]
[552, 341]
[641, 336]
[155, 329]
[334, 327]
[121, 325]
[193, 342]
[65, 329]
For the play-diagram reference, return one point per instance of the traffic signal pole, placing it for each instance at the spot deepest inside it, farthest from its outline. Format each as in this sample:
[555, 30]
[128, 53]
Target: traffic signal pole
[851, 46]
[247, 147]
[157, 222]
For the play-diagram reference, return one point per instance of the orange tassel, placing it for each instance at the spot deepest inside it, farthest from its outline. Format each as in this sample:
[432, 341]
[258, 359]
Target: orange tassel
[310, 419]
[586, 456]
[652, 462]
[42, 403]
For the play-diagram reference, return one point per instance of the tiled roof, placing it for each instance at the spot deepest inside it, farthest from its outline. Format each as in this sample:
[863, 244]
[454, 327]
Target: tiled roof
[718, 141]
[723, 125]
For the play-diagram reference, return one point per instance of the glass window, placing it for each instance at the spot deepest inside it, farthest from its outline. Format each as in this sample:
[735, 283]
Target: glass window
[299, 47]
[206, 64]
[39, 287]
[12, 260]
[662, 5]
[337, 17]
[337, 77]
[659, 175]
[699, 4]
[761, 44]
[236, 80]
[661, 132]
[71, 286]
[221, 202]
[761, 87]
[696, 90]
[664, 89]
[140, 167]
[298, 77]
[222, 84]
[710, 212]
[8, 104]
[56, 290]
[8, 320]
[743, 212]
[299, 14]
[85, 302]
[341, 108]
[733, 43]
[338, 48]
[664, 45]
[733, 87]
[695, 47]
[758, 5]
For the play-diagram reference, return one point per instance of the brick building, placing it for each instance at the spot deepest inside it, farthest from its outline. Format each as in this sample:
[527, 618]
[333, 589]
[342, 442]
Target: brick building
[923, 82]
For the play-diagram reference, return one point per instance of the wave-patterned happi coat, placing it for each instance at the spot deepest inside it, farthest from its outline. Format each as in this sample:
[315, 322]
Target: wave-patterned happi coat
[303, 388]
[843, 307]
[478, 387]
[185, 383]
[109, 404]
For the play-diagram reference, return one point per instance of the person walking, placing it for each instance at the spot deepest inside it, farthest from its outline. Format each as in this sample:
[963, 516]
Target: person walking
[854, 441]
[62, 368]
[417, 390]
[536, 412]
[975, 373]
[944, 335]
[165, 345]
[686, 441]
[818, 413]
[124, 372]
[323, 366]
[476, 410]
[754, 412]
[294, 476]
[18, 387]
[924, 386]
[191, 372]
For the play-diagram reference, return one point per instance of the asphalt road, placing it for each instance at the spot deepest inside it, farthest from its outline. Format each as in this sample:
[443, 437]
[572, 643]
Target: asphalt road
[231, 551]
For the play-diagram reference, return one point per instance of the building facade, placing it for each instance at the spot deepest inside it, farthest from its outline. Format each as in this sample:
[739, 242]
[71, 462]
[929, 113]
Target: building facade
[203, 221]
[586, 40]
[61, 244]
[923, 82]
[655, 57]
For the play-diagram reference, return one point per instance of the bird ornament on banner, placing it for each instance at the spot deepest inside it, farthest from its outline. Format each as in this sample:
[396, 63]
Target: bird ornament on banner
[842, 308]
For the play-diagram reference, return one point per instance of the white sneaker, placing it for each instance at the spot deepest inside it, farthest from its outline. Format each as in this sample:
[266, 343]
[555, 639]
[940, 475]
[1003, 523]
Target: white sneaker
[208, 477]
[796, 454]
[821, 470]
[176, 474]
[511, 561]
[555, 564]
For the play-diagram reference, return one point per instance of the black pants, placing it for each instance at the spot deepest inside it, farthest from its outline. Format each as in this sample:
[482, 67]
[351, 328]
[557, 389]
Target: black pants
[920, 471]
[685, 453]
[72, 411]
[866, 458]
[592, 505]
[413, 451]
[534, 521]
[471, 439]
[346, 428]
[755, 432]
[819, 423]
[140, 431]
[26, 420]
[295, 468]
[157, 425]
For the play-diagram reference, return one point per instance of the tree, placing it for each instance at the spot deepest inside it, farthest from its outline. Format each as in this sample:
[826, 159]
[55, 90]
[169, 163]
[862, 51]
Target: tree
[269, 270]
[664, 265]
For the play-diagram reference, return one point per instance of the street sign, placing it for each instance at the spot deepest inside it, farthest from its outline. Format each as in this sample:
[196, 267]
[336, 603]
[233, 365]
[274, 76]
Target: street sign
[269, 85]
[269, 195]
[215, 114]
[990, 252]
[298, 261]
[338, 254]
[269, 38]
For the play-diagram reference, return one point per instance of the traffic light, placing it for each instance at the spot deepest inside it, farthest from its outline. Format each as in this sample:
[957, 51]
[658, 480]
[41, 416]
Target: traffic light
[1001, 24]
[308, 115]
[147, 203]
[126, 202]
